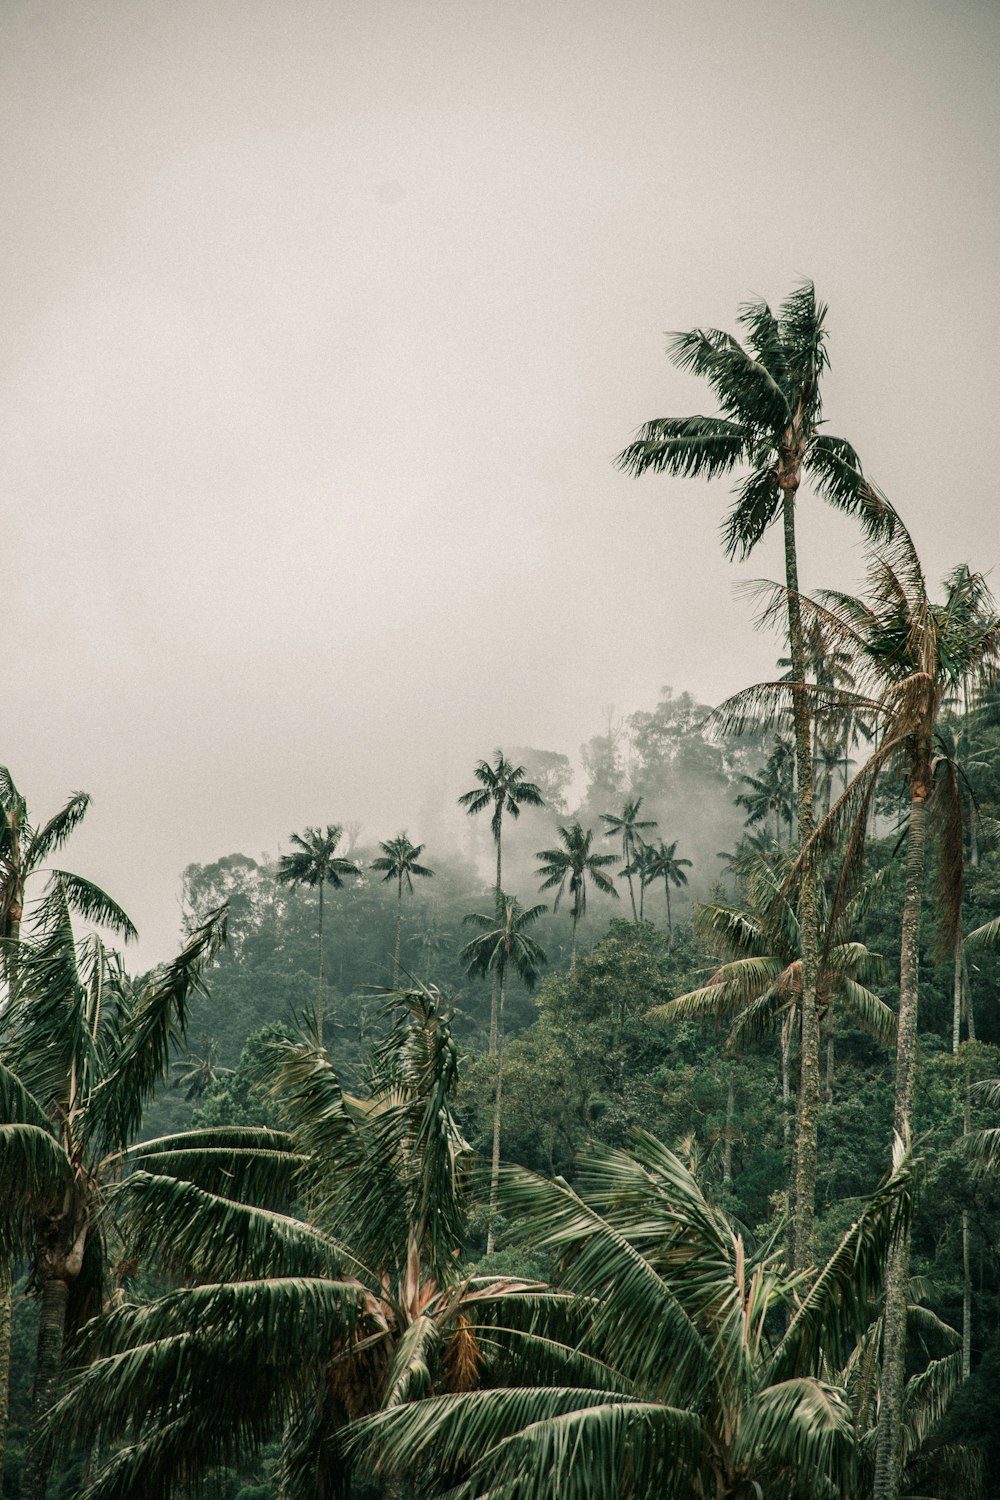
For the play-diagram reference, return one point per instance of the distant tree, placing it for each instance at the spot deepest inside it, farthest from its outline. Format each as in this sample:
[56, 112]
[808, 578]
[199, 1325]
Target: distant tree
[770, 791]
[504, 943]
[505, 787]
[315, 864]
[628, 826]
[663, 864]
[399, 861]
[574, 864]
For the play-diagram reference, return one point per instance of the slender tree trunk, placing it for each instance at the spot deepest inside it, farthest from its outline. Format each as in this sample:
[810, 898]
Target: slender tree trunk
[319, 992]
[628, 876]
[828, 1091]
[572, 960]
[497, 1097]
[493, 977]
[670, 922]
[727, 1144]
[807, 1108]
[966, 1123]
[888, 1459]
[786, 1043]
[51, 1329]
[6, 1318]
[956, 993]
[399, 926]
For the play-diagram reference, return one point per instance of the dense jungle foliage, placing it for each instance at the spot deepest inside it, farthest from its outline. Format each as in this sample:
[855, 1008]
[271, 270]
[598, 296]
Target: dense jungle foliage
[600, 1148]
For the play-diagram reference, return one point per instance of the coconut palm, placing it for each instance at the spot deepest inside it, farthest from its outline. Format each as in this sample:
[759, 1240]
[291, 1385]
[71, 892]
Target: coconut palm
[771, 428]
[573, 864]
[288, 1324]
[84, 1049]
[504, 787]
[25, 849]
[664, 864]
[628, 826]
[315, 864]
[399, 861]
[701, 1367]
[504, 943]
[641, 866]
[908, 656]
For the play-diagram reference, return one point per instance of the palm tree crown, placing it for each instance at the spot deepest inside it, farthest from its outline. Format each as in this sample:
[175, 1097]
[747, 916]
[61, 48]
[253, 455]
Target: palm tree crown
[505, 786]
[574, 864]
[315, 864]
[628, 826]
[399, 861]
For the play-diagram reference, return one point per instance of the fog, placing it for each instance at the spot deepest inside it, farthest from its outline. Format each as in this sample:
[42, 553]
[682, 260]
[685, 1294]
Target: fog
[324, 323]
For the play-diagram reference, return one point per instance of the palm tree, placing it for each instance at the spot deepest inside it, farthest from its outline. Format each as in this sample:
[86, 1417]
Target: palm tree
[627, 826]
[758, 984]
[641, 866]
[84, 1049]
[907, 655]
[772, 428]
[697, 1367]
[399, 861]
[771, 790]
[315, 864]
[503, 943]
[504, 787]
[25, 848]
[282, 1323]
[664, 865]
[574, 863]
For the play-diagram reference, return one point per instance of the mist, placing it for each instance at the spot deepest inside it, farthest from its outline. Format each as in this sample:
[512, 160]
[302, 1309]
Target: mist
[325, 325]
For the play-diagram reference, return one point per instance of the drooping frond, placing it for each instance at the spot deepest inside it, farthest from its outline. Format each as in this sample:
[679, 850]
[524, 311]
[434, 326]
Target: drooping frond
[93, 905]
[695, 446]
[835, 469]
[745, 388]
[188, 1231]
[804, 1425]
[158, 1017]
[248, 1163]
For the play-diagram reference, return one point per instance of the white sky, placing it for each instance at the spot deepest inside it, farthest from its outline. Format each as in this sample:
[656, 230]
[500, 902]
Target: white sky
[324, 321]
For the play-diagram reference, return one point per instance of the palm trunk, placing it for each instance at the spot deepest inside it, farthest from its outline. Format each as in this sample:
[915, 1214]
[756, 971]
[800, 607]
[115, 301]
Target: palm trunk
[319, 992]
[956, 993]
[727, 1144]
[803, 1193]
[493, 977]
[786, 1044]
[626, 856]
[828, 1091]
[6, 1318]
[399, 925]
[888, 1460]
[670, 922]
[497, 1096]
[572, 960]
[51, 1329]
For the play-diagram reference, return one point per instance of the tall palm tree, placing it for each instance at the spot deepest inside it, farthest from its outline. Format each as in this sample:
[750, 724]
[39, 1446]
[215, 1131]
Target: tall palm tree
[574, 864]
[908, 655]
[628, 826]
[399, 861]
[84, 1049]
[282, 1323]
[700, 1366]
[504, 943]
[663, 864]
[504, 787]
[771, 428]
[25, 849]
[315, 864]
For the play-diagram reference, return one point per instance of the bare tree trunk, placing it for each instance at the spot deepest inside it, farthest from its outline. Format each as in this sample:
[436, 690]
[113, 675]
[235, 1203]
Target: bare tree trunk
[51, 1329]
[828, 1091]
[319, 992]
[786, 1042]
[497, 1096]
[727, 1144]
[807, 1105]
[6, 1315]
[399, 926]
[888, 1458]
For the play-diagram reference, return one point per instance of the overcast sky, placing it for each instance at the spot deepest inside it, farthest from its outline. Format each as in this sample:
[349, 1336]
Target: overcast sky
[323, 323]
